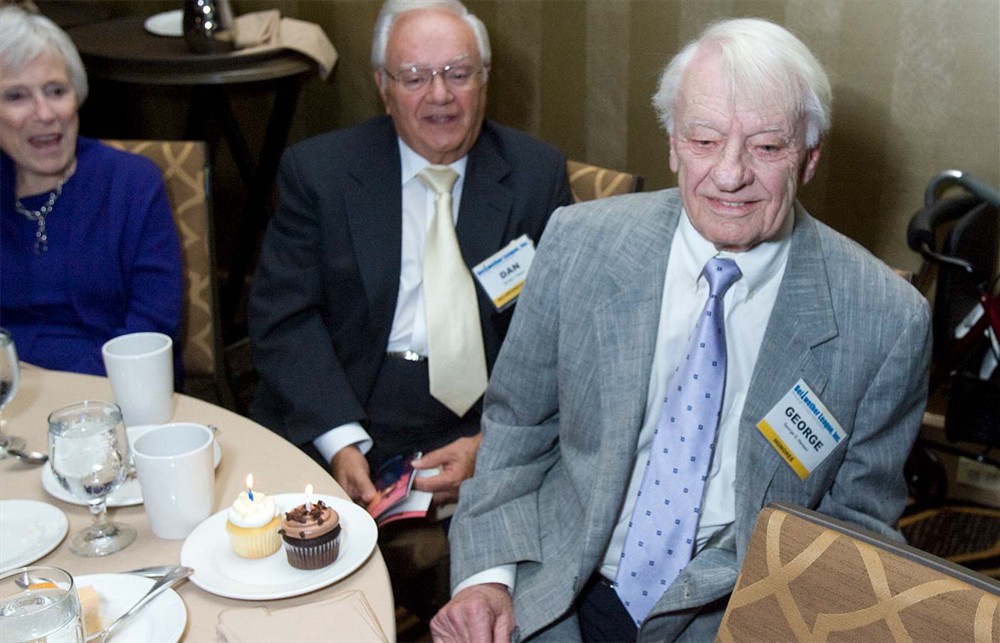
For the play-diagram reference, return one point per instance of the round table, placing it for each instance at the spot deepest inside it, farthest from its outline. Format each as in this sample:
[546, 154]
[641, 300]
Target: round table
[122, 50]
[278, 467]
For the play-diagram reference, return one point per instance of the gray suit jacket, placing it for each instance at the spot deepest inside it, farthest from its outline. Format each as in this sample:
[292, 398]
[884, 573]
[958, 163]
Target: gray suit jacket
[565, 405]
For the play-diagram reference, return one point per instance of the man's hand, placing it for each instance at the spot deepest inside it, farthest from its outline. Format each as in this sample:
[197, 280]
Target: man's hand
[351, 471]
[457, 462]
[477, 614]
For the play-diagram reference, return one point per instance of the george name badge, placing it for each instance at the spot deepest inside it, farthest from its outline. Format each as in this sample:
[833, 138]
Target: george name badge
[801, 429]
[502, 275]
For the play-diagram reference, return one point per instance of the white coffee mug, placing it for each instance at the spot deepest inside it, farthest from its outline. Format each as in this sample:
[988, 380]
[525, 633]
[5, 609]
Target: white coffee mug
[176, 468]
[141, 369]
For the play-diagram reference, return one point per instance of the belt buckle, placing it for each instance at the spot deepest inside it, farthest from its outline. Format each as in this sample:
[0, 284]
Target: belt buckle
[409, 356]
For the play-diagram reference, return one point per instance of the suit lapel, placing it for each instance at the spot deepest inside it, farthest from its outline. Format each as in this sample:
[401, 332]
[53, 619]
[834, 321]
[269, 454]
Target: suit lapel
[486, 203]
[374, 206]
[802, 318]
[626, 324]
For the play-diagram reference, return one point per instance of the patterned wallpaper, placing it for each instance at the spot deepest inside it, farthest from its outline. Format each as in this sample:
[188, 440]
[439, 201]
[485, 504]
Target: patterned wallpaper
[916, 88]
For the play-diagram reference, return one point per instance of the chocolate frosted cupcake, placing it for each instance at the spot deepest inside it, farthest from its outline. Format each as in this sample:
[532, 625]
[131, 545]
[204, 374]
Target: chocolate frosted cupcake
[312, 538]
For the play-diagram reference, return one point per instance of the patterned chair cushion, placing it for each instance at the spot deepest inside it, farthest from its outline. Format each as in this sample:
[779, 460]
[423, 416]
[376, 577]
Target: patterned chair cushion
[807, 577]
[588, 182]
[183, 166]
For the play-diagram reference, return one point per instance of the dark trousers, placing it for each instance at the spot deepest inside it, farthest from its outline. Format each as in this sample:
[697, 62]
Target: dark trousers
[404, 417]
[601, 614]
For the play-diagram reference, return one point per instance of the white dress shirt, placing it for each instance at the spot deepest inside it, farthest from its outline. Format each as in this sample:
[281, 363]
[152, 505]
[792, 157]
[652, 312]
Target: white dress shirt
[409, 324]
[747, 305]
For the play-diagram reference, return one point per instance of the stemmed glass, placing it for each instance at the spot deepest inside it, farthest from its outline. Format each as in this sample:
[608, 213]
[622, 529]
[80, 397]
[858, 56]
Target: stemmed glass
[88, 453]
[10, 374]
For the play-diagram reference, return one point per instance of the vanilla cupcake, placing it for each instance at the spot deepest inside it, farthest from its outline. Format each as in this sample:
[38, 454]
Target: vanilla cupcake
[252, 526]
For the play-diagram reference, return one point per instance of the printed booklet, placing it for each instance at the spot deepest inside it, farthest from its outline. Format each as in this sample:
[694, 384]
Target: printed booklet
[395, 498]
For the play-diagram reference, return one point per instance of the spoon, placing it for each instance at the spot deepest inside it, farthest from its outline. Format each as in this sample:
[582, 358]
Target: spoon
[156, 573]
[28, 457]
[160, 586]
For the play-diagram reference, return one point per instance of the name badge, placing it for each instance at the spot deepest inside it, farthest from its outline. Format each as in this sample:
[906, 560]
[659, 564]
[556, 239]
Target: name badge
[801, 429]
[502, 275]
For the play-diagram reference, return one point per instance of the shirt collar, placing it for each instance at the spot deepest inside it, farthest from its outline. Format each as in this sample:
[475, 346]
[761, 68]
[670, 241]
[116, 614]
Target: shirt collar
[411, 163]
[759, 265]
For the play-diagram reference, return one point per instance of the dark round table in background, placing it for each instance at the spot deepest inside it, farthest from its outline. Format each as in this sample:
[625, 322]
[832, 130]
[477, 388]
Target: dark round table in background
[122, 51]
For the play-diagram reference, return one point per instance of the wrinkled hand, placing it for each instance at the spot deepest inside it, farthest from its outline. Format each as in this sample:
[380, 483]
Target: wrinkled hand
[457, 461]
[477, 614]
[351, 471]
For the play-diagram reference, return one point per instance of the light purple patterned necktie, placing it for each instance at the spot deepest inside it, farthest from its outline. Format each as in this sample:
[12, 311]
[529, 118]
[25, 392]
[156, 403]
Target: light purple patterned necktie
[661, 532]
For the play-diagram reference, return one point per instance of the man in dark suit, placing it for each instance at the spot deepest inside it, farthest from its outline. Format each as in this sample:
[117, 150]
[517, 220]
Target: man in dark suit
[339, 326]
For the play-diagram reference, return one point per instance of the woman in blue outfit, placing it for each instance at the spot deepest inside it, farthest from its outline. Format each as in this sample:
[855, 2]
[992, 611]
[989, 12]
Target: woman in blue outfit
[88, 246]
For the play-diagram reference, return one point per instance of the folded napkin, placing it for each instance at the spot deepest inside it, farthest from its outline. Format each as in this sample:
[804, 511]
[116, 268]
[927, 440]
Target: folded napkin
[267, 29]
[345, 618]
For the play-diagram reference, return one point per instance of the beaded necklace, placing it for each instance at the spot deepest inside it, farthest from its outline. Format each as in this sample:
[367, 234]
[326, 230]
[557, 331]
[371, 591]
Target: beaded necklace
[41, 236]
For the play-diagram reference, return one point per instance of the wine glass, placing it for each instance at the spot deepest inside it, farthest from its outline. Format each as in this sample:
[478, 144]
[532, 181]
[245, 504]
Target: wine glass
[88, 453]
[39, 604]
[10, 374]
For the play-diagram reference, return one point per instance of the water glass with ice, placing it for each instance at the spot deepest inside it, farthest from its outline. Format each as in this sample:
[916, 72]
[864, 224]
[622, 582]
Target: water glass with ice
[88, 453]
[39, 604]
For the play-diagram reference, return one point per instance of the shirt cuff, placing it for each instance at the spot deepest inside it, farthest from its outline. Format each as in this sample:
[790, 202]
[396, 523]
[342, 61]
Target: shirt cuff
[503, 574]
[342, 436]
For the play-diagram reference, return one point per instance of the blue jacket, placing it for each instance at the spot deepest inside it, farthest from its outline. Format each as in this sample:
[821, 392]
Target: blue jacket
[113, 264]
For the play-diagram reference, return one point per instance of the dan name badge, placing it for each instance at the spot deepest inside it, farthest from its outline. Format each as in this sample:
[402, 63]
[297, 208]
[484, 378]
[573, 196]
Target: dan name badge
[502, 275]
[801, 429]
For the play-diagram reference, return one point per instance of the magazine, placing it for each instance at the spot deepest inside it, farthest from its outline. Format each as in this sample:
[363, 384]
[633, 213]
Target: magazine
[395, 498]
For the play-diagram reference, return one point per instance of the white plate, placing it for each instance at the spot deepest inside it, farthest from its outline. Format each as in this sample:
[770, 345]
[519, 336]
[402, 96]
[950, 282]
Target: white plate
[168, 23]
[127, 495]
[29, 530]
[217, 569]
[163, 619]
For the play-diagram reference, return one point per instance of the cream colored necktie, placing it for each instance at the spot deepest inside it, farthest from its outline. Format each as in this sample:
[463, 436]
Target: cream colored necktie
[456, 360]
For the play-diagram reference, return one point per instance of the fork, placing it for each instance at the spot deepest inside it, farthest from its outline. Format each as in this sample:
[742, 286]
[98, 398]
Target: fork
[166, 582]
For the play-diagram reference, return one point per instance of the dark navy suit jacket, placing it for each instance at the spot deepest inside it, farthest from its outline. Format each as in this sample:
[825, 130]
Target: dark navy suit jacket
[324, 296]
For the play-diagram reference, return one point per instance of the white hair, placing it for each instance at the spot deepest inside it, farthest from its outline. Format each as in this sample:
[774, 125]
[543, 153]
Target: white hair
[26, 36]
[763, 61]
[393, 9]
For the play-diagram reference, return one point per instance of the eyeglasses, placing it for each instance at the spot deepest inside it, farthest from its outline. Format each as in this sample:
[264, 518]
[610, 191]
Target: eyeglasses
[456, 76]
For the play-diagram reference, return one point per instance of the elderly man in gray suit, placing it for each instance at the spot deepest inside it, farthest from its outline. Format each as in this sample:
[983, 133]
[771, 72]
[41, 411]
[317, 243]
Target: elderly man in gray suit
[625, 456]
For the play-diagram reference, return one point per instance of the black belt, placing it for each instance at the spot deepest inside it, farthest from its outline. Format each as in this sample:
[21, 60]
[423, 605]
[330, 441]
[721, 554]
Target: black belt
[409, 356]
